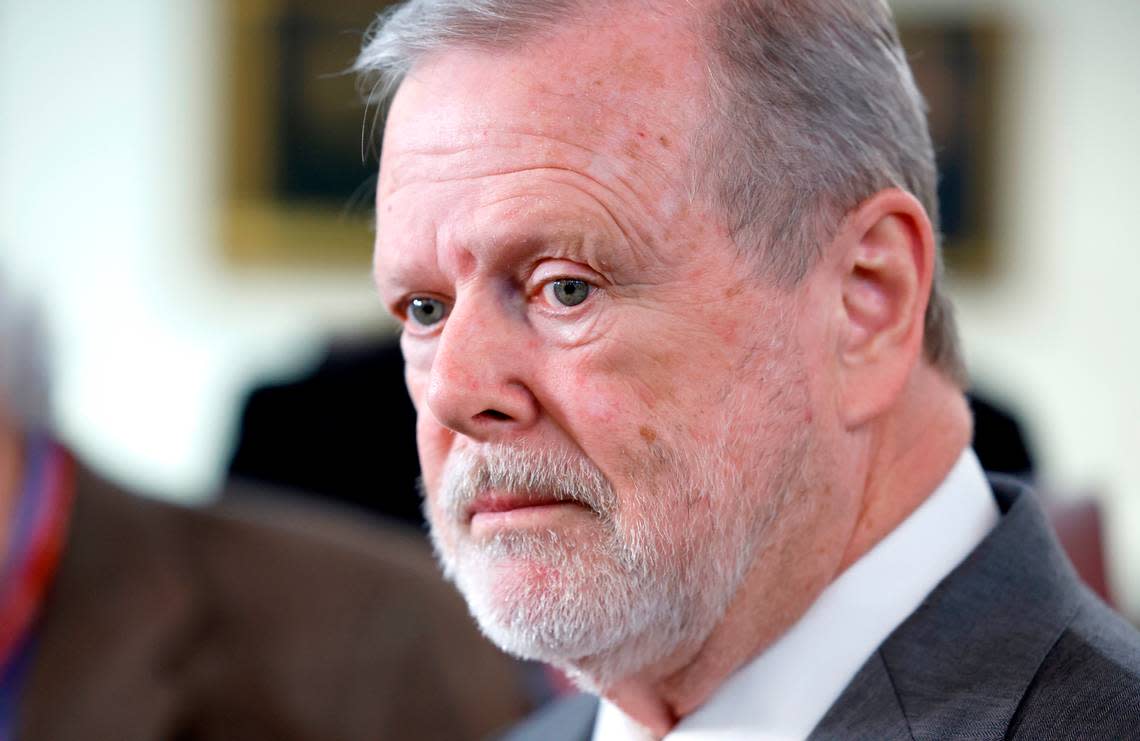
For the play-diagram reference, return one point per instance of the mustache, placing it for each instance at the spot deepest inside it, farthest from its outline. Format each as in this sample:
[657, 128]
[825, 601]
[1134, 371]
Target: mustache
[553, 474]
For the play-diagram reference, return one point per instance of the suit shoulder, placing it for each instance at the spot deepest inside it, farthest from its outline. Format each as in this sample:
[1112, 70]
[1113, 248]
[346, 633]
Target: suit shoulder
[568, 719]
[352, 615]
[273, 613]
[1089, 682]
[248, 519]
[323, 562]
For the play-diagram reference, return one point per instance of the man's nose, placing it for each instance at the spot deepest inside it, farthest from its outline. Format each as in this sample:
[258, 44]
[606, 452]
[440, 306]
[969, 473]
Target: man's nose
[478, 385]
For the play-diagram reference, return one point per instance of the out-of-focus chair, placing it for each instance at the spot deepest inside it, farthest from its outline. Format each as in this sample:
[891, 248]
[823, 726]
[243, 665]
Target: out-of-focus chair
[344, 431]
[1077, 522]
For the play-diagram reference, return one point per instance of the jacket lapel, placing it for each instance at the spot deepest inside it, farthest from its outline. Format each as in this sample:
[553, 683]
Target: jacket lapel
[868, 709]
[960, 664]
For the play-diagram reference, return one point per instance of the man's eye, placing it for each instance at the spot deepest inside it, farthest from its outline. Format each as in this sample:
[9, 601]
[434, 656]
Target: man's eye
[426, 311]
[568, 292]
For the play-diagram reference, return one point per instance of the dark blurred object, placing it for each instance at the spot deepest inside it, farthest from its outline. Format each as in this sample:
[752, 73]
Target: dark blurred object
[1078, 526]
[999, 441]
[257, 621]
[346, 432]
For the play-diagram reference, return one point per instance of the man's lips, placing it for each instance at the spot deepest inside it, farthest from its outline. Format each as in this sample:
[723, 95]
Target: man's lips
[493, 503]
[491, 512]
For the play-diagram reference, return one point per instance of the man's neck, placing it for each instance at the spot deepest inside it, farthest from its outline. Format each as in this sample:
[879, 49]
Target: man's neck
[911, 455]
[904, 461]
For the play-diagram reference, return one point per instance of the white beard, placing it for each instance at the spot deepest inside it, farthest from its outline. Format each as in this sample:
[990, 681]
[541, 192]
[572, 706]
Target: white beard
[667, 560]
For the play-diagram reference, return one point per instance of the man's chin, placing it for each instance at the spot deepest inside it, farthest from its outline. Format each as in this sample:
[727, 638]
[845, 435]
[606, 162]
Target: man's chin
[575, 607]
[510, 573]
[529, 554]
[593, 632]
[545, 604]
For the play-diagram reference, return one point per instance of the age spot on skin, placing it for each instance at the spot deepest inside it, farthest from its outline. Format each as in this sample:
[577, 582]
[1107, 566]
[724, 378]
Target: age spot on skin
[648, 435]
[664, 141]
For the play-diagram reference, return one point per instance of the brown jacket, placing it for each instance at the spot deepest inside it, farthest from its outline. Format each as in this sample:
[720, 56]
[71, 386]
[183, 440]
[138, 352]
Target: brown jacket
[249, 623]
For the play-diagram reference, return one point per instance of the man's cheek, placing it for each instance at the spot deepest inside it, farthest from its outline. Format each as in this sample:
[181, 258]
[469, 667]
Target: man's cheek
[615, 427]
[434, 443]
[417, 373]
[594, 399]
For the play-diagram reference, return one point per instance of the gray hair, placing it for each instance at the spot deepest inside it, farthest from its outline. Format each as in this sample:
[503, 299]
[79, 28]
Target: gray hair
[815, 107]
[24, 387]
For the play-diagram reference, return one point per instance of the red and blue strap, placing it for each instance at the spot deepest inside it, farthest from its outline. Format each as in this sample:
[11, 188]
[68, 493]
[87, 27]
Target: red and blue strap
[37, 536]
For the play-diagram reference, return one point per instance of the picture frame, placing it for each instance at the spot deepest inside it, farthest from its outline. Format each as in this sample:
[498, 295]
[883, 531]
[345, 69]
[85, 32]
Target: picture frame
[957, 64]
[299, 179]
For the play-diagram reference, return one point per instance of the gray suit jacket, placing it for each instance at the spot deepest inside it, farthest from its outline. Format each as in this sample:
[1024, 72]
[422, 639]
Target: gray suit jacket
[1009, 646]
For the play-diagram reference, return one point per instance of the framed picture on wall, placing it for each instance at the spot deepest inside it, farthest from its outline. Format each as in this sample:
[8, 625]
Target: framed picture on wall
[957, 65]
[299, 183]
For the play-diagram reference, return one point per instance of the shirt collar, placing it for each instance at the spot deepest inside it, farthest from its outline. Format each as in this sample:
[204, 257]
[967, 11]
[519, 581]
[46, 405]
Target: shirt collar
[785, 691]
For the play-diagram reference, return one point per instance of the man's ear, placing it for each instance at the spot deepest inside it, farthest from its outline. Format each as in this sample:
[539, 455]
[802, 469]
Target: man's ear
[886, 259]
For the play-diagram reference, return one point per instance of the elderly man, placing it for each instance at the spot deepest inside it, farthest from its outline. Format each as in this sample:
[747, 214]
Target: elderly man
[690, 399]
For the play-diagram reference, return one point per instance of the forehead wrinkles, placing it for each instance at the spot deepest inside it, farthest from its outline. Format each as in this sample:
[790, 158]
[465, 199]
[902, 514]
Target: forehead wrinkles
[629, 98]
[508, 194]
[440, 142]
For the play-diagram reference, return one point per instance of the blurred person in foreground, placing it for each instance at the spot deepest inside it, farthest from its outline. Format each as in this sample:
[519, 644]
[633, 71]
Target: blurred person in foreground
[124, 618]
[691, 418]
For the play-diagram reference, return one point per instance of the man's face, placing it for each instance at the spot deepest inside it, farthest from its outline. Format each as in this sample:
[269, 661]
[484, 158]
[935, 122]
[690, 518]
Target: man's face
[611, 403]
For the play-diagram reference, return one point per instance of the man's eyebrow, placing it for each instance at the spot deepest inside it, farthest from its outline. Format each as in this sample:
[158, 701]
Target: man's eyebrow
[377, 281]
[392, 279]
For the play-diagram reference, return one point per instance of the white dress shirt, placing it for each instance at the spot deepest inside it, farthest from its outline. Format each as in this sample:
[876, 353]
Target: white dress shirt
[785, 691]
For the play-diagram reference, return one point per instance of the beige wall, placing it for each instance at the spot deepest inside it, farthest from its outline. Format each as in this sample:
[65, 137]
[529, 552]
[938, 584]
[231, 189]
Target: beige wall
[108, 177]
[1057, 329]
[108, 189]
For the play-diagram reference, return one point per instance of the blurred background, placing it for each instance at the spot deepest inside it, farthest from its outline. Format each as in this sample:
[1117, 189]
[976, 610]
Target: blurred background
[181, 186]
